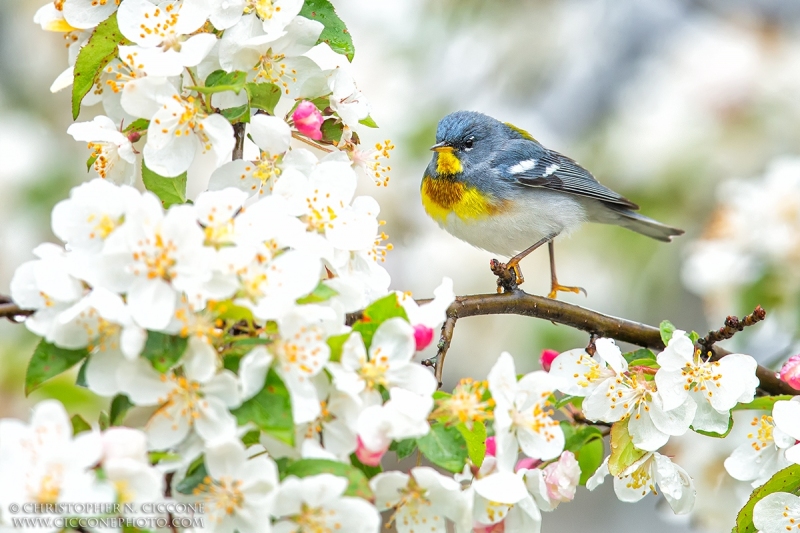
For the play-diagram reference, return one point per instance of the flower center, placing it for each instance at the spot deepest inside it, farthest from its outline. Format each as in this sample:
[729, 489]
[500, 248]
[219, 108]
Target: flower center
[763, 435]
[272, 69]
[223, 496]
[155, 258]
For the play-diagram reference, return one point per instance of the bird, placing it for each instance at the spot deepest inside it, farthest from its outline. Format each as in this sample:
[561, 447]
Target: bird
[495, 186]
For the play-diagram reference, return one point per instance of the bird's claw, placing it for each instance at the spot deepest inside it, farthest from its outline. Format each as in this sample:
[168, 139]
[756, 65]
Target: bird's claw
[507, 280]
[555, 289]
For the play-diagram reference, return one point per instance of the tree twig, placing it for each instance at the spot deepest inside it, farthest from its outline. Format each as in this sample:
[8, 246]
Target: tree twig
[520, 303]
[11, 311]
[238, 133]
[444, 344]
[732, 326]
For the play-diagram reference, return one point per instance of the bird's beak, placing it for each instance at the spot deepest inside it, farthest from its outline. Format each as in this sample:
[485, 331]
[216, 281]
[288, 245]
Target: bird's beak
[441, 147]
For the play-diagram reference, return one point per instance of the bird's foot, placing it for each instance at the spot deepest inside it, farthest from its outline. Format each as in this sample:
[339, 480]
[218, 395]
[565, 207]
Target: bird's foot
[509, 277]
[556, 288]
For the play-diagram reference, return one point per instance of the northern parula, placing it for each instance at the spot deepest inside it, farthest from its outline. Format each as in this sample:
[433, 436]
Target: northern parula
[494, 186]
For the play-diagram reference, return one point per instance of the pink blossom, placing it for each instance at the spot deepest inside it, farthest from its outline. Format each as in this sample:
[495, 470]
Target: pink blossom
[491, 447]
[367, 456]
[308, 120]
[423, 335]
[526, 463]
[790, 373]
[546, 359]
[562, 478]
[499, 527]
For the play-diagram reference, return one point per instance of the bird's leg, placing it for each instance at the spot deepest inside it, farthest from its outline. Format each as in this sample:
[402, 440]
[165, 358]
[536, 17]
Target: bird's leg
[555, 288]
[513, 263]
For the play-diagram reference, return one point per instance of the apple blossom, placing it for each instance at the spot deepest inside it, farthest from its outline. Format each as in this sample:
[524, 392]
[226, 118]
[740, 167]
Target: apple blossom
[546, 359]
[308, 120]
[762, 455]
[790, 372]
[786, 415]
[112, 152]
[777, 512]
[579, 373]
[429, 316]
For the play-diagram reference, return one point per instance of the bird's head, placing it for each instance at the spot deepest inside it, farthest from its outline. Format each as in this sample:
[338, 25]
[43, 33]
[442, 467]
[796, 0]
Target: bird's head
[465, 140]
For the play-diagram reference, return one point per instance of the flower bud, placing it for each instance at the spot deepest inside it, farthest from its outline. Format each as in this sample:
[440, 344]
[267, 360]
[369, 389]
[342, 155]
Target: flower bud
[491, 447]
[308, 120]
[526, 463]
[546, 359]
[562, 478]
[790, 373]
[367, 456]
[423, 335]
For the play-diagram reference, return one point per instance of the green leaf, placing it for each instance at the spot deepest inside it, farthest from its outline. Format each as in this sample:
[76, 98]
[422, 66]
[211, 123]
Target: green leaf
[236, 114]
[368, 122]
[476, 441]
[358, 484]
[251, 437]
[376, 314]
[763, 403]
[623, 452]
[80, 379]
[140, 124]
[590, 457]
[444, 446]
[192, 480]
[220, 81]
[576, 401]
[92, 59]
[90, 162]
[120, 406]
[48, 361]
[369, 471]
[693, 336]
[335, 33]
[403, 448]
[270, 410]
[580, 436]
[638, 355]
[263, 96]
[336, 343]
[79, 425]
[716, 435]
[322, 293]
[227, 310]
[163, 350]
[787, 480]
[103, 421]
[332, 130]
[157, 457]
[644, 362]
[170, 191]
[667, 329]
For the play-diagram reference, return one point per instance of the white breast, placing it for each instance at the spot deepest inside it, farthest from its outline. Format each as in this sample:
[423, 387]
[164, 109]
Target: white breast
[535, 215]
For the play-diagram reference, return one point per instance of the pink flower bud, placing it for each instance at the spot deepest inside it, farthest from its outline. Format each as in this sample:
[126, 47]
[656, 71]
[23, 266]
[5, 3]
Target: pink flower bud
[423, 335]
[308, 120]
[527, 464]
[546, 359]
[367, 456]
[134, 136]
[790, 373]
[562, 478]
[499, 527]
[491, 447]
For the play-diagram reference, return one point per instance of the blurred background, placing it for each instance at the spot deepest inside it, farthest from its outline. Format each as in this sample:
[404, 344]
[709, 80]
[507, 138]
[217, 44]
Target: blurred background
[688, 108]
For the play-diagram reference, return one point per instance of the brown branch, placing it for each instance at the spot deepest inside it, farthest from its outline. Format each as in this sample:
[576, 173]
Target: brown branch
[318, 146]
[445, 339]
[520, 303]
[12, 311]
[238, 133]
[732, 326]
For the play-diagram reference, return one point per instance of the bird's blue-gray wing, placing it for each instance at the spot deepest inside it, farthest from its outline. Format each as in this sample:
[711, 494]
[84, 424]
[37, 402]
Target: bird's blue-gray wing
[531, 165]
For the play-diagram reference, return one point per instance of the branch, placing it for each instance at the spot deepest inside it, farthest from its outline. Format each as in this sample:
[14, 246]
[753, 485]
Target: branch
[520, 303]
[732, 326]
[238, 148]
[437, 361]
[11, 311]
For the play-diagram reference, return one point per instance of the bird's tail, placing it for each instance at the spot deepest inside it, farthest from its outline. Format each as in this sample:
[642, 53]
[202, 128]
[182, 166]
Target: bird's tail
[642, 224]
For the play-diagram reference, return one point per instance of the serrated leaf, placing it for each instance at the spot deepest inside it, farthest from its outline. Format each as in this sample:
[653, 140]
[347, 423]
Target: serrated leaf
[140, 124]
[476, 441]
[335, 33]
[321, 293]
[263, 96]
[221, 81]
[716, 435]
[48, 361]
[787, 480]
[163, 350]
[79, 424]
[358, 485]
[270, 410]
[335, 343]
[444, 446]
[236, 114]
[763, 403]
[170, 191]
[667, 329]
[192, 480]
[368, 122]
[623, 452]
[120, 406]
[376, 314]
[590, 457]
[403, 448]
[93, 57]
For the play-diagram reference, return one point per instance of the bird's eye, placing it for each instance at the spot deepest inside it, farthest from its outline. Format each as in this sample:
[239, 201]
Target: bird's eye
[468, 144]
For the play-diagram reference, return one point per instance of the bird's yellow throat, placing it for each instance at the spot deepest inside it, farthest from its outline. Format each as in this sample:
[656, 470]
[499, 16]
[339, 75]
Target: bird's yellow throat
[447, 163]
[443, 196]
